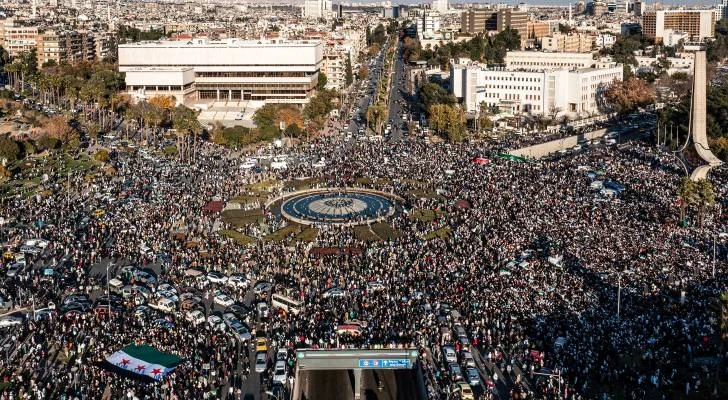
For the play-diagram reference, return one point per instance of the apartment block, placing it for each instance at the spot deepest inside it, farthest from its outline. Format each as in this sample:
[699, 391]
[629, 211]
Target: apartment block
[698, 24]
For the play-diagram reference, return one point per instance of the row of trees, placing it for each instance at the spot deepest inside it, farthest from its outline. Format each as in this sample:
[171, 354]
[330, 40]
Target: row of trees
[448, 121]
[487, 49]
[698, 195]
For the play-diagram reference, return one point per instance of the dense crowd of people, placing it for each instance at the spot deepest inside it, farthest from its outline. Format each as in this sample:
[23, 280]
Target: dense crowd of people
[528, 258]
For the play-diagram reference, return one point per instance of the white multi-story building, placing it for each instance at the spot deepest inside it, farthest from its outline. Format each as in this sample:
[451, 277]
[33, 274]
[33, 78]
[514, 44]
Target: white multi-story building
[440, 5]
[428, 22]
[540, 60]
[277, 71]
[604, 40]
[317, 8]
[570, 91]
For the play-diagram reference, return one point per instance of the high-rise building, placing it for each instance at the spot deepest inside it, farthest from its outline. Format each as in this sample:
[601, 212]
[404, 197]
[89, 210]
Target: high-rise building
[639, 8]
[317, 8]
[513, 19]
[18, 38]
[477, 20]
[599, 8]
[580, 7]
[440, 5]
[698, 24]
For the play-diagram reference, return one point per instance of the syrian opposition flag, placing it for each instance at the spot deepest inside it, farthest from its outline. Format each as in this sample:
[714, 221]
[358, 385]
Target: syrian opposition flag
[144, 360]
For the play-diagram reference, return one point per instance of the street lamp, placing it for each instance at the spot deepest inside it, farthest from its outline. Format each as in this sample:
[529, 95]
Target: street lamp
[552, 376]
[108, 291]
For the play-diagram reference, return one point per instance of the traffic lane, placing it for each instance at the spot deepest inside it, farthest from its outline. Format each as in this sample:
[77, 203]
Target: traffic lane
[399, 384]
[502, 385]
[326, 385]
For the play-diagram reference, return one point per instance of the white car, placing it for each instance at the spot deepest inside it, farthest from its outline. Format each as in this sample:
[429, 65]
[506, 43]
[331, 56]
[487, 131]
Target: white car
[164, 305]
[279, 165]
[215, 323]
[280, 373]
[248, 164]
[334, 292]
[262, 287]
[216, 277]
[10, 320]
[223, 300]
[238, 280]
[166, 287]
[319, 164]
[195, 317]
[42, 243]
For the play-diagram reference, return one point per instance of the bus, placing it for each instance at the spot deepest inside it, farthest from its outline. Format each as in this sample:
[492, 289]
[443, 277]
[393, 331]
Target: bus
[286, 304]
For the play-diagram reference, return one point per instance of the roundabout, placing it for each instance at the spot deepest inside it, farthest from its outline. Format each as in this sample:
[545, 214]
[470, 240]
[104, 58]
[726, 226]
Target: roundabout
[345, 206]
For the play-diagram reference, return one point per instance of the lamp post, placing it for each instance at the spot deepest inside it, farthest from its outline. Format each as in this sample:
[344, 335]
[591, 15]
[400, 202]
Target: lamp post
[552, 376]
[108, 291]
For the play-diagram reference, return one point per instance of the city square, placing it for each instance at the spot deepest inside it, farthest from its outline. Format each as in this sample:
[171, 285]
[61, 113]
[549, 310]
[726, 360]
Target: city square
[363, 201]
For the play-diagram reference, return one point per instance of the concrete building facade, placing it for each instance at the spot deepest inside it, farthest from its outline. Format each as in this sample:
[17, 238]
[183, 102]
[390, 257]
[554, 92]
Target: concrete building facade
[274, 71]
[698, 24]
[562, 91]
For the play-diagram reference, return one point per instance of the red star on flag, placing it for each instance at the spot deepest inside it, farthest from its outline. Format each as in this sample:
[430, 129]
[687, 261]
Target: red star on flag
[156, 371]
[124, 362]
[140, 368]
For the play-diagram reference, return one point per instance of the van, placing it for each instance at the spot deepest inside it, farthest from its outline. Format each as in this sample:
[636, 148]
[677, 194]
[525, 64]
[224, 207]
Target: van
[115, 285]
[164, 305]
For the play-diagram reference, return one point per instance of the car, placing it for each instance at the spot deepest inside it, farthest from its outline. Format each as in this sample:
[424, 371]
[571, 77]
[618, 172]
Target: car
[13, 319]
[334, 292]
[167, 295]
[261, 344]
[240, 330]
[278, 165]
[238, 280]
[466, 392]
[319, 164]
[215, 323]
[282, 354]
[166, 287]
[263, 310]
[223, 299]
[449, 353]
[15, 270]
[216, 277]
[280, 372]
[240, 310]
[456, 373]
[261, 362]
[467, 359]
[164, 305]
[141, 312]
[473, 376]
[262, 288]
[195, 317]
[610, 142]
[248, 164]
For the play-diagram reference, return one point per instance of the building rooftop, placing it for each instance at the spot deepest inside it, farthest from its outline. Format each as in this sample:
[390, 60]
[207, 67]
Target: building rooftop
[204, 42]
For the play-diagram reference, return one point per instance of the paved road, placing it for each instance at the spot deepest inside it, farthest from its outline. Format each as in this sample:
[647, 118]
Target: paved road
[326, 385]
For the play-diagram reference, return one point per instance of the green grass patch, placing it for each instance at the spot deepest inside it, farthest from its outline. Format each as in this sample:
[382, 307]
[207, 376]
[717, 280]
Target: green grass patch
[438, 233]
[242, 217]
[385, 231]
[425, 214]
[283, 233]
[362, 232]
[170, 150]
[308, 234]
[263, 185]
[249, 197]
[237, 237]
[301, 184]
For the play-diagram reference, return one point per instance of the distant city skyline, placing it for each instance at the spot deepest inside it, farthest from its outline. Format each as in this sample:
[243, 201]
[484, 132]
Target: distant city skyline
[534, 3]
